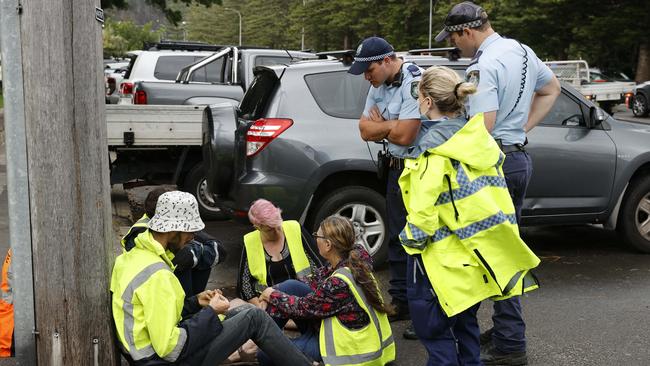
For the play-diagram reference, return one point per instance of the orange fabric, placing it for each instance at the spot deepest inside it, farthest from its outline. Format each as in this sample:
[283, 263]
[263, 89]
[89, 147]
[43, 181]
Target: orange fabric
[6, 311]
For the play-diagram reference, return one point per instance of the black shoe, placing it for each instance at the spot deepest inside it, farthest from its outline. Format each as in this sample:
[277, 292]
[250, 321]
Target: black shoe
[409, 333]
[492, 356]
[486, 337]
[401, 312]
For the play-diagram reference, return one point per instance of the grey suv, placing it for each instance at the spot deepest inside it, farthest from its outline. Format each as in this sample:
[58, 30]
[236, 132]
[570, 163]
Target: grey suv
[294, 140]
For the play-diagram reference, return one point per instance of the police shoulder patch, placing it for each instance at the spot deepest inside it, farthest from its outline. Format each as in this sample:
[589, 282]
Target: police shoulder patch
[473, 77]
[414, 70]
[414, 89]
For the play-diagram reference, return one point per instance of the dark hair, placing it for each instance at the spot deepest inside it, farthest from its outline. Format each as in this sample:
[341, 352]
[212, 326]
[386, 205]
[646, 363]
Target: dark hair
[340, 232]
[152, 199]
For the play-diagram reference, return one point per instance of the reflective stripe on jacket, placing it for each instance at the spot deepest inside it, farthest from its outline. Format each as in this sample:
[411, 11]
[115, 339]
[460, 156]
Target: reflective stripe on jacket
[462, 222]
[6, 308]
[257, 260]
[372, 345]
[147, 301]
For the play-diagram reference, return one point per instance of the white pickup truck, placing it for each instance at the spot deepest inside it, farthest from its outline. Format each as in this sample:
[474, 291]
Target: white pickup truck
[606, 93]
[159, 145]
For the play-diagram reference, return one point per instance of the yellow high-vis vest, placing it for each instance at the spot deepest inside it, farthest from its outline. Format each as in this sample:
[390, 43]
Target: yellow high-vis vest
[257, 260]
[372, 345]
[462, 222]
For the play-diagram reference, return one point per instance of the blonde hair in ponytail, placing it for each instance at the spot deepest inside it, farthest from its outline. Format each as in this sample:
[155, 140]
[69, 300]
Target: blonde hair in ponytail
[446, 89]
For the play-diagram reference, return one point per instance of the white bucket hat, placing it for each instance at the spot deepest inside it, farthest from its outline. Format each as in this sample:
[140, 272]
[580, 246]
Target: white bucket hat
[176, 211]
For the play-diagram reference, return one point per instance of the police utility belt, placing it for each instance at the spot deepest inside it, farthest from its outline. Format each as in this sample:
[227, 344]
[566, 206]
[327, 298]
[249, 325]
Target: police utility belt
[511, 148]
[386, 161]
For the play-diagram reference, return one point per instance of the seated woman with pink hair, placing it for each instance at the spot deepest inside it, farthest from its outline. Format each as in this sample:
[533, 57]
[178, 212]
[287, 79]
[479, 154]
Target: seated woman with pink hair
[276, 251]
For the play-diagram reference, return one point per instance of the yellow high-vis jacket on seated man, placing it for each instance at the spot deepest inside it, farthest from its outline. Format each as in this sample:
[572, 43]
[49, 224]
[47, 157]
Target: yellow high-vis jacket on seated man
[149, 305]
[461, 220]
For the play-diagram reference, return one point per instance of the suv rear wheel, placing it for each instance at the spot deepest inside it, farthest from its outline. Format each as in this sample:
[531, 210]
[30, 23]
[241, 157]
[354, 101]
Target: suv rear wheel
[196, 184]
[634, 219]
[367, 210]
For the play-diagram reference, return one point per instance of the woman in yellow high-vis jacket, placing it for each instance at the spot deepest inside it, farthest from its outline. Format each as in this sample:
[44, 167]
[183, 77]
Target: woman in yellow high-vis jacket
[461, 233]
[278, 250]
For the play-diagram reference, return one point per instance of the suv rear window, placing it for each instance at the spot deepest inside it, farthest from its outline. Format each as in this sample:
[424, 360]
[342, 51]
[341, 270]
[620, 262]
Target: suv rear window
[339, 94]
[257, 96]
[167, 67]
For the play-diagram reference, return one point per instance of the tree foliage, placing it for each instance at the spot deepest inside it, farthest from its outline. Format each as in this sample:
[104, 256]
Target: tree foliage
[121, 37]
[173, 15]
[608, 33]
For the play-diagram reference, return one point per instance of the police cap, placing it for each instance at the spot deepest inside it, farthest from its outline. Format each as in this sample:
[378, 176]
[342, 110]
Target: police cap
[461, 16]
[370, 50]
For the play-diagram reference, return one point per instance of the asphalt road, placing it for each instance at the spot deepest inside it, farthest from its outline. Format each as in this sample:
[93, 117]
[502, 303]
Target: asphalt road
[593, 307]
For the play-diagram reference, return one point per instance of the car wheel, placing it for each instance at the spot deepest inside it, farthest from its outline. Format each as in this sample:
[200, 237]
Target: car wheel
[367, 210]
[196, 184]
[634, 219]
[640, 106]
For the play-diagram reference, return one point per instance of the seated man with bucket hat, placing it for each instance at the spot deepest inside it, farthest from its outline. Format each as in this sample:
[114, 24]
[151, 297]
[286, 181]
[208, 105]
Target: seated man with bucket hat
[157, 325]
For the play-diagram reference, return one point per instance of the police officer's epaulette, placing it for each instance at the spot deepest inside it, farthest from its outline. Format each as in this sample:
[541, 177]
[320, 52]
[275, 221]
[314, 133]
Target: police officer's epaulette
[414, 70]
[475, 58]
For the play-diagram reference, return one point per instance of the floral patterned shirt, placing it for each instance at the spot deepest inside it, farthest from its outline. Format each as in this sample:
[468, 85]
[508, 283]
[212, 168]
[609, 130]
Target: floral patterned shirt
[331, 297]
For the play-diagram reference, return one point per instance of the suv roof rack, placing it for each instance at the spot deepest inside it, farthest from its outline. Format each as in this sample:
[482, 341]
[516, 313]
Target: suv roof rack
[452, 53]
[345, 56]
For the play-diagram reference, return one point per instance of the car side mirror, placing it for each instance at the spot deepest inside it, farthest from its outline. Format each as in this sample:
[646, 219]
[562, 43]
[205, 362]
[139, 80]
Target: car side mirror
[596, 116]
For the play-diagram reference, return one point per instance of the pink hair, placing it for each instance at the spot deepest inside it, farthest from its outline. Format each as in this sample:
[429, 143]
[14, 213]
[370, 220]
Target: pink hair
[263, 212]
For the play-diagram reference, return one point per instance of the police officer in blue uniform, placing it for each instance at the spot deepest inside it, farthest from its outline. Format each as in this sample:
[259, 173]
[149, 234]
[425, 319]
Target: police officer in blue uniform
[515, 91]
[391, 113]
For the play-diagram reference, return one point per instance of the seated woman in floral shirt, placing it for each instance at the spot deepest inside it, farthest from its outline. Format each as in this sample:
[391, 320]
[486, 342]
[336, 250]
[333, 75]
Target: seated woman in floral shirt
[324, 295]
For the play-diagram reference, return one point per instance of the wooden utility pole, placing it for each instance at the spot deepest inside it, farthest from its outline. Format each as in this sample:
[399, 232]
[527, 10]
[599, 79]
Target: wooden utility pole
[67, 177]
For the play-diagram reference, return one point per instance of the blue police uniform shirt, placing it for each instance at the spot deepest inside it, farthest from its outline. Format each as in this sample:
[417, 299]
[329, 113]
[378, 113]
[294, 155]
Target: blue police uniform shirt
[497, 70]
[396, 102]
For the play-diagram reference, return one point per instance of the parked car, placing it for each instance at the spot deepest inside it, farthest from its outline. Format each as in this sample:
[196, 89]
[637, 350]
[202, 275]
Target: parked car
[161, 62]
[294, 140]
[113, 75]
[640, 106]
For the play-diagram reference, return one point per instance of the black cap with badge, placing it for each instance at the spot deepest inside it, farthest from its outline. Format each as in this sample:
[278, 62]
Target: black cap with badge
[461, 16]
[370, 50]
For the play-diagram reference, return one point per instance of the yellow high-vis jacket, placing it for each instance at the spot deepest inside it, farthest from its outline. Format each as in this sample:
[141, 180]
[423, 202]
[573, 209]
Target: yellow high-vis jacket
[461, 220]
[148, 303]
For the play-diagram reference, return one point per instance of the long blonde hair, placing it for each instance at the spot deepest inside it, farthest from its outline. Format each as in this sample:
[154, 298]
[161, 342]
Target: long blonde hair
[340, 232]
[446, 89]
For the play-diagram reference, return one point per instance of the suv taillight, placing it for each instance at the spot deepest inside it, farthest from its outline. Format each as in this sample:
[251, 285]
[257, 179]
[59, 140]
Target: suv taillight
[140, 97]
[262, 132]
[126, 88]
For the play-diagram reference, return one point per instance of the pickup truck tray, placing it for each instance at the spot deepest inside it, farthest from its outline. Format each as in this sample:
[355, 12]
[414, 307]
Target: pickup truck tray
[154, 125]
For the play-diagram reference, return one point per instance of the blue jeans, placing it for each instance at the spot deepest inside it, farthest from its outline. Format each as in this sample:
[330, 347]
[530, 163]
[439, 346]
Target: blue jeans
[307, 342]
[449, 341]
[509, 331]
[396, 214]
